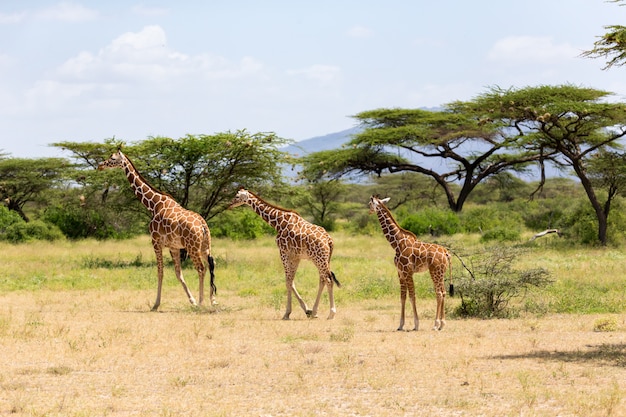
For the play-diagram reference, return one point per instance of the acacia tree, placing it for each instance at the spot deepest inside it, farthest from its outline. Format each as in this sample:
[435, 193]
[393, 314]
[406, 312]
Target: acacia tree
[202, 172]
[569, 123]
[611, 46]
[25, 180]
[464, 149]
[607, 171]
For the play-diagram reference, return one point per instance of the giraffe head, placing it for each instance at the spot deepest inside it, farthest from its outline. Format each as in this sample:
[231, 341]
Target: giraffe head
[376, 202]
[115, 161]
[242, 197]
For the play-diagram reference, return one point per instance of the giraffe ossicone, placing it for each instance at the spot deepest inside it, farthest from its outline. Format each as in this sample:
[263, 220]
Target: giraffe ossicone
[412, 256]
[173, 227]
[297, 239]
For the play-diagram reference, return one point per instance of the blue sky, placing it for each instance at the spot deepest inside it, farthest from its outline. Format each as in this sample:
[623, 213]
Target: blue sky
[90, 70]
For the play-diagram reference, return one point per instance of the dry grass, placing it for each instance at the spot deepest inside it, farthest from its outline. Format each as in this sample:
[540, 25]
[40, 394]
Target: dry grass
[91, 353]
[100, 352]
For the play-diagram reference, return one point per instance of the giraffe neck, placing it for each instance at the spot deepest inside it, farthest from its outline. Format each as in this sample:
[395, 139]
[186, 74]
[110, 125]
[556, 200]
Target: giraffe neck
[392, 231]
[272, 215]
[147, 194]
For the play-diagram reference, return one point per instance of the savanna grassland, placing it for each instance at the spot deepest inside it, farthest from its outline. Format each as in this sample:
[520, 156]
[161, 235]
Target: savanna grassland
[77, 337]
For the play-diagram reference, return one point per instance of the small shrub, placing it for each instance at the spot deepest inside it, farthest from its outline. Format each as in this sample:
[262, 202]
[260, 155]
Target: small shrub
[501, 234]
[608, 324]
[493, 283]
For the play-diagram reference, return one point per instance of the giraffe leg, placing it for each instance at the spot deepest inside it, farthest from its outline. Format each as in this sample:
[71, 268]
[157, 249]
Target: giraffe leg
[320, 288]
[291, 266]
[402, 302]
[411, 288]
[440, 321]
[437, 273]
[159, 258]
[201, 269]
[331, 300]
[291, 289]
[325, 280]
[179, 274]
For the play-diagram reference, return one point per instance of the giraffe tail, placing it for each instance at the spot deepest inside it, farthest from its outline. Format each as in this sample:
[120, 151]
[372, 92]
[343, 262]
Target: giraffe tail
[451, 285]
[332, 275]
[212, 272]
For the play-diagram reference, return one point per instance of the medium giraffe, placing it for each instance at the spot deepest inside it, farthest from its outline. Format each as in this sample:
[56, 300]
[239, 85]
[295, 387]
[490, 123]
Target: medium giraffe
[173, 227]
[296, 239]
[413, 256]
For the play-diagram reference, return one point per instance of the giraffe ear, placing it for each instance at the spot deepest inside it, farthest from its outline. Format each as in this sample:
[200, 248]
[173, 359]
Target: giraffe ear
[386, 200]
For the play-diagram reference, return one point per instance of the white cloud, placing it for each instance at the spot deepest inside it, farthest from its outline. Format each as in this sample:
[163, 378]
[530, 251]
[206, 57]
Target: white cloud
[360, 32]
[67, 12]
[514, 50]
[321, 73]
[145, 57]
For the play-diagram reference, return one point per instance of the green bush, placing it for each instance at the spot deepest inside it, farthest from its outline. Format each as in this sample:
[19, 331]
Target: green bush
[240, 223]
[14, 229]
[33, 230]
[493, 283]
[8, 217]
[494, 222]
[433, 221]
[501, 234]
[80, 223]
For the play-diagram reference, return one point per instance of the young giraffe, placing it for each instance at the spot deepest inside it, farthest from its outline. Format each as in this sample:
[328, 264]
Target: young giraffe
[413, 256]
[296, 239]
[173, 227]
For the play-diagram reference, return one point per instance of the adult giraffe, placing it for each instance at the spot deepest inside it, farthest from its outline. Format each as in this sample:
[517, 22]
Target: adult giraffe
[172, 227]
[296, 239]
[412, 256]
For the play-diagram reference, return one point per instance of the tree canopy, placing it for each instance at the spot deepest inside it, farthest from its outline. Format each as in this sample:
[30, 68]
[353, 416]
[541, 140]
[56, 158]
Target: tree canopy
[23, 180]
[569, 123]
[202, 172]
[611, 46]
[463, 148]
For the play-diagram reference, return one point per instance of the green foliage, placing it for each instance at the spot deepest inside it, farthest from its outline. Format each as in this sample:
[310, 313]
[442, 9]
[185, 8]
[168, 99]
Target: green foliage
[611, 46]
[372, 288]
[501, 234]
[239, 224]
[15, 230]
[34, 230]
[605, 324]
[25, 180]
[8, 217]
[433, 221]
[81, 223]
[493, 283]
[493, 222]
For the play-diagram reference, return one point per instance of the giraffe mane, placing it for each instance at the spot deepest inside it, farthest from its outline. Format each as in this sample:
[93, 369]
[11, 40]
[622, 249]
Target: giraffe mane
[390, 216]
[143, 179]
[273, 205]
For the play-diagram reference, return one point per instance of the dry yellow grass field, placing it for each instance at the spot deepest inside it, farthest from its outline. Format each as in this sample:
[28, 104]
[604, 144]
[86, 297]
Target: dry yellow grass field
[99, 351]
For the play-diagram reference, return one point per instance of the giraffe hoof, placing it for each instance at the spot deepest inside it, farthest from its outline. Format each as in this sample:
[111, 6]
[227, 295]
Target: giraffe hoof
[309, 313]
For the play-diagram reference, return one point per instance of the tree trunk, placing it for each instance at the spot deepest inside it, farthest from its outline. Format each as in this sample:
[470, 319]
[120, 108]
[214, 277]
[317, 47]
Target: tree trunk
[595, 203]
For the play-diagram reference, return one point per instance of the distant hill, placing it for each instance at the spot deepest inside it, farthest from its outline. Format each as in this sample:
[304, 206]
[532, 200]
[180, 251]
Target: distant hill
[321, 143]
